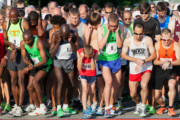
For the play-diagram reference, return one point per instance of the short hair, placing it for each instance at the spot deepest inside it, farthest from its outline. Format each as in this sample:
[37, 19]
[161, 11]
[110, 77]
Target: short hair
[21, 13]
[68, 6]
[120, 10]
[145, 7]
[86, 7]
[94, 19]
[74, 11]
[108, 5]
[127, 11]
[33, 15]
[139, 25]
[30, 6]
[152, 4]
[48, 17]
[20, 2]
[113, 17]
[161, 6]
[56, 4]
[57, 20]
[88, 50]
[166, 31]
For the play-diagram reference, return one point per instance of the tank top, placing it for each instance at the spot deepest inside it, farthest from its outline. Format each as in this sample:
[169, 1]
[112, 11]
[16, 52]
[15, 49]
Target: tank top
[166, 22]
[176, 31]
[110, 51]
[86, 65]
[140, 52]
[167, 53]
[35, 32]
[15, 32]
[34, 53]
[64, 51]
[2, 48]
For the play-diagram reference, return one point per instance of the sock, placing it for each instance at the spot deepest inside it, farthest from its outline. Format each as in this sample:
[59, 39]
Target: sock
[58, 107]
[65, 106]
[110, 106]
[170, 106]
[106, 108]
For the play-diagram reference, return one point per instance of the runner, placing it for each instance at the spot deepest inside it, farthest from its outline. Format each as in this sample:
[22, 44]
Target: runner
[12, 34]
[167, 58]
[61, 48]
[141, 54]
[87, 58]
[38, 68]
[109, 41]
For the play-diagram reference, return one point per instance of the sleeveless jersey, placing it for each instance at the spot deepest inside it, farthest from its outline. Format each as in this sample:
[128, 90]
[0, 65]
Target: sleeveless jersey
[34, 53]
[167, 53]
[110, 51]
[176, 31]
[166, 22]
[86, 65]
[64, 51]
[15, 32]
[140, 52]
[2, 48]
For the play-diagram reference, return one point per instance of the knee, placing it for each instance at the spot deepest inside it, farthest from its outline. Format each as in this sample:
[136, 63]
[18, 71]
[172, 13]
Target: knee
[133, 95]
[109, 83]
[13, 82]
[29, 88]
[156, 97]
[144, 86]
[35, 82]
[171, 86]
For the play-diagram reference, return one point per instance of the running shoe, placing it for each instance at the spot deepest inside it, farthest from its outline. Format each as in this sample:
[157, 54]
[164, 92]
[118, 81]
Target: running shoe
[18, 112]
[171, 112]
[35, 112]
[30, 108]
[137, 109]
[69, 111]
[13, 110]
[143, 111]
[86, 114]
[54, 111]
[99, 111]
[43, 109]
[161, 110]
[107, 113]
[3, 104]
[60, 113]
[152, 110]
[7, 107]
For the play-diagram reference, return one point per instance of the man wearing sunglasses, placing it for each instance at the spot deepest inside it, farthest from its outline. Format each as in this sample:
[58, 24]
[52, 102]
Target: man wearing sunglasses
[151, 26]
[127, 15]
[141, 54]
[153, 9]
[20, 4]
[168, 57]
[161, 15]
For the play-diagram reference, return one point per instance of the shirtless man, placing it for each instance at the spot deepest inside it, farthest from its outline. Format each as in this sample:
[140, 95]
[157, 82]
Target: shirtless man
[141, 54]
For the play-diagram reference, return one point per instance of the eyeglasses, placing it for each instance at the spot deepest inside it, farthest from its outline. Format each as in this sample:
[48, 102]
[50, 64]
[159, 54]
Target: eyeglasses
[108, 12]
[127, 19]
[145, 13]
[152, 7]
[167, 40]
[21, 8]
[138, 34]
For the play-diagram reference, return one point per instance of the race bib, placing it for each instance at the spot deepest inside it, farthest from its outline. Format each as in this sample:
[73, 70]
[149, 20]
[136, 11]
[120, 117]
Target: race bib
[15, 40]
[64, 51]
[111, 48]
[86, 66]
[35, 60]
[164, 59]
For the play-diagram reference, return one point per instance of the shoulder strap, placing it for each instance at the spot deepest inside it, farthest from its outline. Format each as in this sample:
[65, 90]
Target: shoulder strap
[20, 25]
[9, 24]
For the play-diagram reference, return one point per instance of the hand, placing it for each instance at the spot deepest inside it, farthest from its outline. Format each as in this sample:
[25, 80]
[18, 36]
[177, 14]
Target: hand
[138, 68]
[77, 36]
[12, 56]
[165, 65]
[12, 46]
[3, 62]
[70, 37]
[139, 61]
[118, 28]
[57, 36]
[30, 66]
[82, 55]
[26, 70]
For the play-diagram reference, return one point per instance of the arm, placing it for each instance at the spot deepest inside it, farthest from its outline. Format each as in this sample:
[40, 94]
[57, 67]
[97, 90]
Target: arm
[79, 60]
[156, 61]
[151, 50]
[42, 24]
[171, 25]
[102, 41]
[41, 49]
[88, 33]
[50, 35]
[177, 53]
[84, 31]
[119, 38]
[71, 43]
[56, 39]
[25, 25]
[93, 61]
[157, 32]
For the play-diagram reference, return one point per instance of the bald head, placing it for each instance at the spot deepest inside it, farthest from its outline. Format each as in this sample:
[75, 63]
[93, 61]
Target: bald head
[56, 11]
[13, 15]
[65, 30]
[28, 37]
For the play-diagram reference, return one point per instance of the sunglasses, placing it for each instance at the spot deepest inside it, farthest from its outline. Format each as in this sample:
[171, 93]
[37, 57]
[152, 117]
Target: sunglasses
[152, 7]
[167, 40]
[145, 13]
[127, 19]
[138, 34]
[21, 8]
[108, 12]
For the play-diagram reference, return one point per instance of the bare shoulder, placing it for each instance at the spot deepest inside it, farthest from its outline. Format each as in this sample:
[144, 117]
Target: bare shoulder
[157, 45]
[127, 41]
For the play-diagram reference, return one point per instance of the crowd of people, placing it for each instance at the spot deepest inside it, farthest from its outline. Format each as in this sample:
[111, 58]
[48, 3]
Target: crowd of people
[72, 58]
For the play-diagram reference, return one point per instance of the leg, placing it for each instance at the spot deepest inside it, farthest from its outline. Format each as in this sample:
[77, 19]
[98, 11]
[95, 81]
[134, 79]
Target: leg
[158, 98]
[172, 91]
[84, 93]
[100, 84]
[6, 85]
[21, 87]
[92, 88]
[144, 86]
[133, 86]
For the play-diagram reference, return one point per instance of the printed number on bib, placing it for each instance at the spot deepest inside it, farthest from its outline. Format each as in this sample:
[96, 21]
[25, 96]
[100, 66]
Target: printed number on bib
[169, 59]
[86, 66]
[15, 40]
[35, 60]
[111, 48]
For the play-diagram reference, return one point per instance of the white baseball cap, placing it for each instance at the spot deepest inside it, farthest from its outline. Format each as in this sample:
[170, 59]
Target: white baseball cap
[136, 13]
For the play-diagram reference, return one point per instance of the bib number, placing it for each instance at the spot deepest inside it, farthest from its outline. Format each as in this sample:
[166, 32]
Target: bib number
[15, 40]
[111, 48]
[35, 60]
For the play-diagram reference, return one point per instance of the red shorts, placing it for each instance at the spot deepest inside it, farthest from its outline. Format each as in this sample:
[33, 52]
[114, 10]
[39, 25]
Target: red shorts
[137, 77]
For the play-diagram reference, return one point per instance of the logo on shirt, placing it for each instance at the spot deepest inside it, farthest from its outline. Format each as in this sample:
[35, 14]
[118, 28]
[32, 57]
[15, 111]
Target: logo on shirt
[138, 51]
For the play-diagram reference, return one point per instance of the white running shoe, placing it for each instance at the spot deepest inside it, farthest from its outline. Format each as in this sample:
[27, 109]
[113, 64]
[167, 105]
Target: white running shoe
[13, 110]
[18, 112]
[143, 110]
[43, 109]
[137, 109]
[35, 112]
[30, 108]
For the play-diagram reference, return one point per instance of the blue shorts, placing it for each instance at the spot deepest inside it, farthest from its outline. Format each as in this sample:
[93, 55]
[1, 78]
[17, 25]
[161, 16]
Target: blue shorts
[89, 79]
[114, 65]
